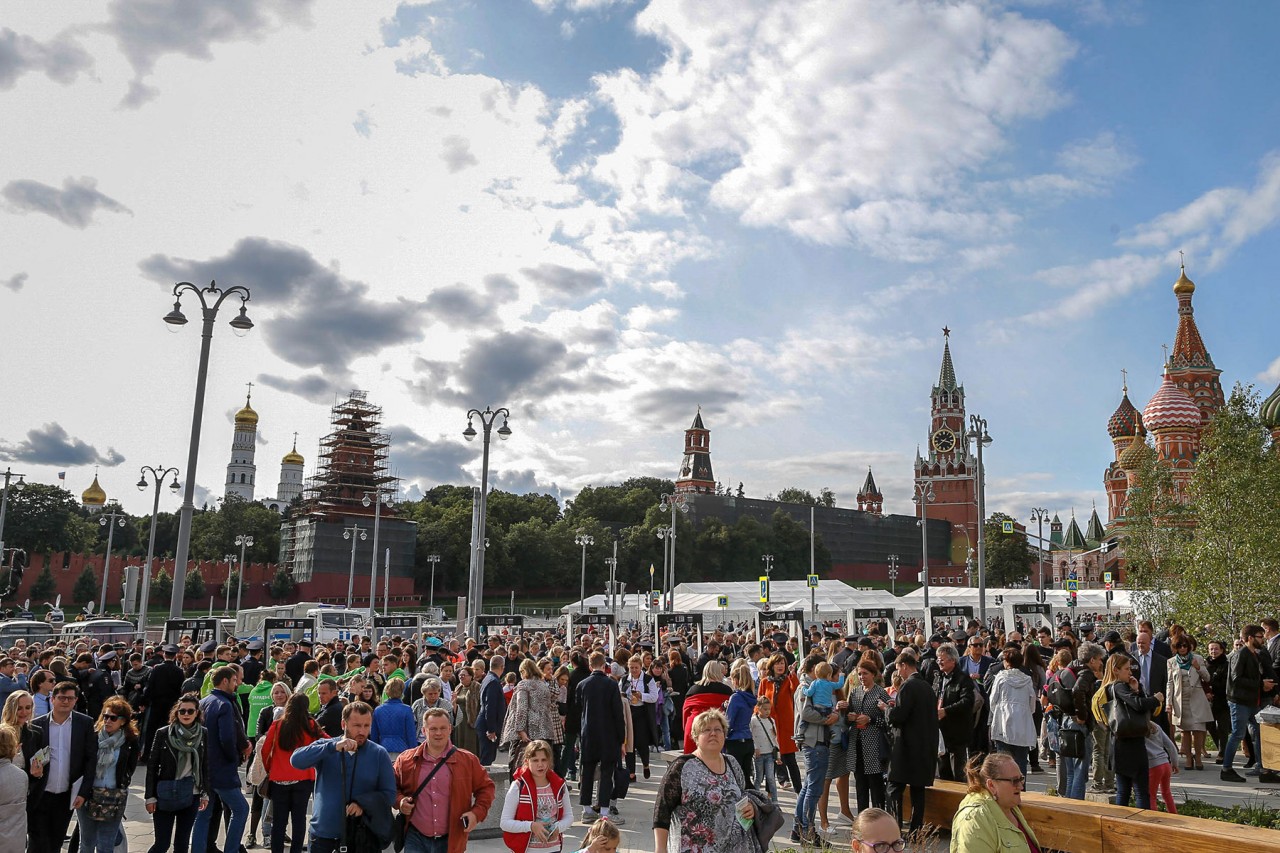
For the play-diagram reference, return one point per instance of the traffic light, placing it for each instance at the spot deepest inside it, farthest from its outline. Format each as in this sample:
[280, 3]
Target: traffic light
[1073, 598]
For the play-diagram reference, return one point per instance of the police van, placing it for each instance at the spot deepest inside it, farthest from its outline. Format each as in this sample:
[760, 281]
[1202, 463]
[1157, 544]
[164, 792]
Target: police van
[321, 623]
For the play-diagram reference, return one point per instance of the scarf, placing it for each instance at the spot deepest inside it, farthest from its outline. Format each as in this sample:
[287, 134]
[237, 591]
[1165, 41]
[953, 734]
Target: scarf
[108, 749]
[1184, 661]
[186, 743]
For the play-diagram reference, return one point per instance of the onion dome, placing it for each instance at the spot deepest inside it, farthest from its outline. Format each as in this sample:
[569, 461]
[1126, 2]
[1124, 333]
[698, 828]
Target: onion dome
[1184, 284]
[1124, 422]
[1270, 411]
[1138, 452]
[1171, 408]
[94, 495]
[246, 416]
[293, 457]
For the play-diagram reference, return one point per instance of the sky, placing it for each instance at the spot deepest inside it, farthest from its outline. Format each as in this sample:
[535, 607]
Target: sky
[603, 214]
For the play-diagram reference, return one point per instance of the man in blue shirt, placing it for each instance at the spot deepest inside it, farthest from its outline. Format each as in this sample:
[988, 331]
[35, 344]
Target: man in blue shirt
[228, 747]
[348, 769]
[10, 684]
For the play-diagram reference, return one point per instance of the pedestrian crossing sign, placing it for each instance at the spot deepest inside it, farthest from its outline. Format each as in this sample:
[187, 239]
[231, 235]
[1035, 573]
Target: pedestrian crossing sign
[1072, 585]
[722, 601]
[1006, 526]
[1106, 577]
[813, 581]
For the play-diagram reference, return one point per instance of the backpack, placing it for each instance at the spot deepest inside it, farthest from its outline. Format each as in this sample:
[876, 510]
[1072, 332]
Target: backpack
[1060, 692]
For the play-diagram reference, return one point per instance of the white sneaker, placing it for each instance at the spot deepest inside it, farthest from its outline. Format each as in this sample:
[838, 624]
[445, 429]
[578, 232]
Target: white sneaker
[615, 818]
[840, 818]
[590, 815]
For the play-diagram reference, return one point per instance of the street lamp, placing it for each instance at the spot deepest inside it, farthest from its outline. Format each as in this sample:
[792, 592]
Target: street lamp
[968, 554]
[158, 475]
[767, 559]
[924, 496]
[434, 560]
[241, 323]
[893, 574]
[111, 521]
[978, 435]
[664, 534]
[612, 563]
[673, 502]
[244, 541]
[1040, 515]
[4, 501]
[584, 539]
[230, 560]
[356, 534]
[375, 498]
[475, 586]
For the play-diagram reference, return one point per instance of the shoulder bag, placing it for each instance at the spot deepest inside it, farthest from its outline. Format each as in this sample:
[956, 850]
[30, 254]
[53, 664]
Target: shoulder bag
[400, 827]
[1123, 720]
[107, 804]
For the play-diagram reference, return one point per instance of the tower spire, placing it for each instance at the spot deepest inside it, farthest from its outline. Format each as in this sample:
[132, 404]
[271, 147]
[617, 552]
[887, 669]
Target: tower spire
[947, 375]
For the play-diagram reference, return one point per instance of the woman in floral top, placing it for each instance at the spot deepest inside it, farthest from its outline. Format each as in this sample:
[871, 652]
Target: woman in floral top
[701, 792]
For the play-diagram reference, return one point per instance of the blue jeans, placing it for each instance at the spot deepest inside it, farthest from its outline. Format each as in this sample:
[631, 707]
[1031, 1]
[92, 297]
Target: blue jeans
[96, 836]
[416, 842]
[1139, 785]
[1019, 753]
[1242, 716]
[1078, 771]
[766, 775]
[233, 800]
[815, 774]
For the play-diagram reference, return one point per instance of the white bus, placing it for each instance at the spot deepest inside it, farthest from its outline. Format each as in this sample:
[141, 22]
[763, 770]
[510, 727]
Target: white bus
[104, 630]
[329, 622]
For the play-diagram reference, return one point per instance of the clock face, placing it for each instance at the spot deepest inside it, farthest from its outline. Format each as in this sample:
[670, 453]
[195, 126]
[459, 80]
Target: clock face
[944, 440]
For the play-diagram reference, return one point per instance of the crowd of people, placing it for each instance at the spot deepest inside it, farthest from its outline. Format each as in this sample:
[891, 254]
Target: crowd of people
[358, 745]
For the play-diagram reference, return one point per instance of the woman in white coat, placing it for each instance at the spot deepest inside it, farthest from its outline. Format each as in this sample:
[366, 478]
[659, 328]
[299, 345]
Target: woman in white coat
[13, 795]
[1189, 708]
[1012, 703]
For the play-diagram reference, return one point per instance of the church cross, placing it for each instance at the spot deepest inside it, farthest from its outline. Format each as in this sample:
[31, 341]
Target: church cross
[1125, 381]
[249, 394]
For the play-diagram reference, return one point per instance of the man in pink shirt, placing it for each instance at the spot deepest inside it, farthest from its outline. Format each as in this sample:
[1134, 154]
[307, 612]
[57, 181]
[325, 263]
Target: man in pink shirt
[457, 793]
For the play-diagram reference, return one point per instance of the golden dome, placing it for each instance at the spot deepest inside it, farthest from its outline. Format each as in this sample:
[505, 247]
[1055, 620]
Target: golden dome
[1184, 284]
[1138, 452]
[246, 416]
[293, 457]
[94, 495]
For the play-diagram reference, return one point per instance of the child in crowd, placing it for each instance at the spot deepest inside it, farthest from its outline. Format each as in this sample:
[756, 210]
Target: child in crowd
[509, 683]
[538, 809]
[821, 693]
[602, 837]
[1162, 760]
[764, 735]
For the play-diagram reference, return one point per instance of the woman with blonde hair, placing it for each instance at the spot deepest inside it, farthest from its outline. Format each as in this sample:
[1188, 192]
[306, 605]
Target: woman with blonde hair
[703, 793]
[742, 704]
[530, 712]
[466, 707]
[13, 794]
[19, 711]
[1129, 751]
[989, 819]
[118, 750]
[709, 693]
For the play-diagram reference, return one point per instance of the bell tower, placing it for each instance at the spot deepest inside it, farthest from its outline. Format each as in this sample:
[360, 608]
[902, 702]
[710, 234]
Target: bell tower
[695, 469]
[241, 470]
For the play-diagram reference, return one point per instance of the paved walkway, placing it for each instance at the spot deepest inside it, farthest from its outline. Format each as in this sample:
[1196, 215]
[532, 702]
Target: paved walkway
[637, 810]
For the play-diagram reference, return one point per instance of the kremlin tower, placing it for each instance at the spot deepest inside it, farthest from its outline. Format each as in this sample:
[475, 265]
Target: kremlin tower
[869, 497]
[241, 470]
[695, 469]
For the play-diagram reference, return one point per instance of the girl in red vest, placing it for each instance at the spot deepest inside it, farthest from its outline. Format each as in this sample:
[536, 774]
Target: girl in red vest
[538, 809]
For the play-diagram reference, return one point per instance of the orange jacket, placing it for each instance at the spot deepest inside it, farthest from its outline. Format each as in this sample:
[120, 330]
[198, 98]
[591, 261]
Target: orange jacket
[470, 788]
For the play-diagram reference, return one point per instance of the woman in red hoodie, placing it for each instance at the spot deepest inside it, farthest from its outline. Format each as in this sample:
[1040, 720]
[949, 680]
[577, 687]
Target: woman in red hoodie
[290, 787]
[710, 692]
[538, 809]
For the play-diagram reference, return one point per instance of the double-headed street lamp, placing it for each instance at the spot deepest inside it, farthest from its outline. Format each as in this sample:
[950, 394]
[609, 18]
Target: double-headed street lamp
[475, 585]
[672, 502]
[584, 539]
[4, 501]
[111, 521]
[1040, 515]
[893, 574]
[211, 299]
[664, 535]
[158, 475]
[356, 534]
[434, 560]
[230, 560]
[612, 563]
[923, 497]
[376, 499]
[244, 541]
[978, 435]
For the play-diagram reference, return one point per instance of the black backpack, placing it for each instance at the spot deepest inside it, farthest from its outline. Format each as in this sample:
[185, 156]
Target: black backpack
[1060, 691]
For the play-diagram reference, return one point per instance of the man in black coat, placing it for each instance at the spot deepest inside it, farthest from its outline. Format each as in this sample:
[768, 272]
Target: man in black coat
[603, 730]
[914, 717]
[94, 686]
[73, 756]
[493, 712]
[164, 687]
[329, 717]
[573, 713]
[954, 689]
[293, 666]
[1152, 669]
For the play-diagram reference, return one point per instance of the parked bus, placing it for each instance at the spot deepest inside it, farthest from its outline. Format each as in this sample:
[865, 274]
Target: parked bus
[328, 622]
[104, 630]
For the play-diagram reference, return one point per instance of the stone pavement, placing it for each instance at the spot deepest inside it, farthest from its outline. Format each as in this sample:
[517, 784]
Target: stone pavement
[637, 810]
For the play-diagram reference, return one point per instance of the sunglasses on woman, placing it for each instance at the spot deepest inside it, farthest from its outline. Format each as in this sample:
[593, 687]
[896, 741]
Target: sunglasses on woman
[186, 712]
[110, 718]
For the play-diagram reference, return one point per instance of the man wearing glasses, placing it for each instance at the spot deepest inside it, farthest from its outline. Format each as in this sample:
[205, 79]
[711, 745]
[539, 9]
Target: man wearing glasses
[1246, 687]
[69, 747]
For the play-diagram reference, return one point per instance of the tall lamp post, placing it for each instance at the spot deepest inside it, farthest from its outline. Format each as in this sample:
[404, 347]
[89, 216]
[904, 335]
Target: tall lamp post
[375, 498]
[4, 501]
[111, 521]
[612, 563]
[1040, 515]
[211, 299]
[663, 533]
[434, 560]
[475, 586]
[584, 539]
[355, 533]
[244, 541]
[230, 560]
[978, 435]
[673, 502]
[893, 574]
[924, 496]
[158, 475]
[767, 559]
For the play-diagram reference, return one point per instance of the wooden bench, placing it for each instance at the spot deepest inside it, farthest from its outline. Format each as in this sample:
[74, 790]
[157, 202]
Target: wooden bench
[1078, 826]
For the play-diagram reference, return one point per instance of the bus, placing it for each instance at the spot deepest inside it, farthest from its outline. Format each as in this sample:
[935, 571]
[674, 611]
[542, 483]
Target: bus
[328, 622]
[103, 630]
[31, 630]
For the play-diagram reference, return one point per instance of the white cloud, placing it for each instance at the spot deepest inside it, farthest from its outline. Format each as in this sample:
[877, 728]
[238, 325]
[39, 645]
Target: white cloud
[1272, 373]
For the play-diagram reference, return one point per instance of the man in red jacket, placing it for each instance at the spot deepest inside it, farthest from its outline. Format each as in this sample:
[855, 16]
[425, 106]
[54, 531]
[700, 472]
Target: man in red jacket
[456, 798]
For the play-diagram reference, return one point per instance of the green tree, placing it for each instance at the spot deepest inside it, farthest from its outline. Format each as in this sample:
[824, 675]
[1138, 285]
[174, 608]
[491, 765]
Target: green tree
[195, 584]
[793, 495]
[1009, 560]
[86, 587]
[1157, 526]
[161, 590]
[45, 586]
[37, 518]
[282, 584]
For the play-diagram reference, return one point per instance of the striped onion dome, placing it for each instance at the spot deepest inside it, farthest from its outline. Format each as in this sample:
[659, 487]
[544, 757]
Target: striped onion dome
[1270, 410]
[1124, 422]
[1171, 408]
[1138, 451]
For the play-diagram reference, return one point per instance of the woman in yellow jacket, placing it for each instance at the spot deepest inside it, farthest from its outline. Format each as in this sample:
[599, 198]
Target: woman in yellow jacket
[990, 818]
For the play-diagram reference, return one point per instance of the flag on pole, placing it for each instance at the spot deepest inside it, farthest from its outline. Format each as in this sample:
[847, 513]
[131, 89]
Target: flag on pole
[62, 475]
